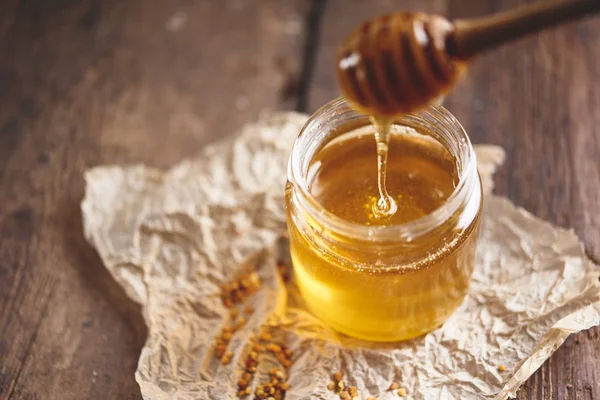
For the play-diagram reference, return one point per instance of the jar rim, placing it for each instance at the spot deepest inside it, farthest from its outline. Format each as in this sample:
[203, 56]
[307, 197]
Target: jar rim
[336, 109]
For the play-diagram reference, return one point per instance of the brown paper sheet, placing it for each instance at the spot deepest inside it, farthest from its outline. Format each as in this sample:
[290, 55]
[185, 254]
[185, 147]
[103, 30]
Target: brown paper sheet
[170, 238]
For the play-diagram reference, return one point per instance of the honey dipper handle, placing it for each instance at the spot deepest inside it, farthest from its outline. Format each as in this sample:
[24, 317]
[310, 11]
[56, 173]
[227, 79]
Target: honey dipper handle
[473, 36]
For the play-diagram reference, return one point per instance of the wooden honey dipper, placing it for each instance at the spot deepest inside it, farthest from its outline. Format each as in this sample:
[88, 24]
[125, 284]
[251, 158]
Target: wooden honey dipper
[400, 62]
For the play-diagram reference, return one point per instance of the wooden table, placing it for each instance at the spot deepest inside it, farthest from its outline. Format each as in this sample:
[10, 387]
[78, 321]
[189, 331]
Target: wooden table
[89, 82]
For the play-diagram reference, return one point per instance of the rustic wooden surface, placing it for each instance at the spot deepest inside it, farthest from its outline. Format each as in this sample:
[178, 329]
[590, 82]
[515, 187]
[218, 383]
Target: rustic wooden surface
[88, 82]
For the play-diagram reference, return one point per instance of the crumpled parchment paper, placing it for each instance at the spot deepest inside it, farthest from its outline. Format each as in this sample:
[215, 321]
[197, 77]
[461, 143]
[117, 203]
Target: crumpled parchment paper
[170, 238]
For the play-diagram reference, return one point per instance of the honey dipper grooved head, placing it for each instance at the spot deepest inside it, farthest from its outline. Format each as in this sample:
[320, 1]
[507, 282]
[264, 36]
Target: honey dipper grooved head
[397, 63]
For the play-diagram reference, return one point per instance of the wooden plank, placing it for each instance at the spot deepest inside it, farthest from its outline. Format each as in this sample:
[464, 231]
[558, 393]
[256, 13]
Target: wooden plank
[539, 99]
[88, 82]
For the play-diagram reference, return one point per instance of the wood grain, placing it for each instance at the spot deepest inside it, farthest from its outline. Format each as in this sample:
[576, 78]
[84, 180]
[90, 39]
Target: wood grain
[539, 99]
[88, 82]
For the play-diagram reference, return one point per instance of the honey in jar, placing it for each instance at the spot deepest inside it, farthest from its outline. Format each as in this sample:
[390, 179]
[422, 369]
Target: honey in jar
[391, 277]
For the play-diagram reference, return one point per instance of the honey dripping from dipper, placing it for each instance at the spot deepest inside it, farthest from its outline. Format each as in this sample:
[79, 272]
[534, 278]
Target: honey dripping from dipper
[398, 63]
[393, 65]
[368, 267]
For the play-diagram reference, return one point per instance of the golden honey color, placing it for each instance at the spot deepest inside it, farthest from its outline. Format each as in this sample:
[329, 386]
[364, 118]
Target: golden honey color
[389, 289]
[421, 176]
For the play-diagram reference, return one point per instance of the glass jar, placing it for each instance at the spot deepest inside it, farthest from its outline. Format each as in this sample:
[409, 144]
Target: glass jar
[384, 282]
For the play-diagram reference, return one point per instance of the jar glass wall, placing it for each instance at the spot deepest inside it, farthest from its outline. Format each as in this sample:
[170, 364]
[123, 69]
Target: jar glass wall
[383, 282]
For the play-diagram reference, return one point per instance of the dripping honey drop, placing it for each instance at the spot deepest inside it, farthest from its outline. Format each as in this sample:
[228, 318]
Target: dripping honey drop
[385, 206]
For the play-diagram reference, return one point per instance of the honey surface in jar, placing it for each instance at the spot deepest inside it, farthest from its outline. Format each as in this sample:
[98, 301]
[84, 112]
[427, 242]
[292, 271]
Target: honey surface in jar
[421, 175]
[407, 288]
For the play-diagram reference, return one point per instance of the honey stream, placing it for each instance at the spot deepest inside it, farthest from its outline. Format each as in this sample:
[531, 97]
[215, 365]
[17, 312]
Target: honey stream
[385, 206]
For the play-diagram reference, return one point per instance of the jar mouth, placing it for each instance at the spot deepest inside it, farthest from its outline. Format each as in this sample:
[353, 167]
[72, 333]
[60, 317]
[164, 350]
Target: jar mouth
[320, 129]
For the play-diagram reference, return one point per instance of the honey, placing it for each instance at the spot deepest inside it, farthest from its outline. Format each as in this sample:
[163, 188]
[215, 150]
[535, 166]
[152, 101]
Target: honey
[375, 277]
[386, 206]
[345, 177]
